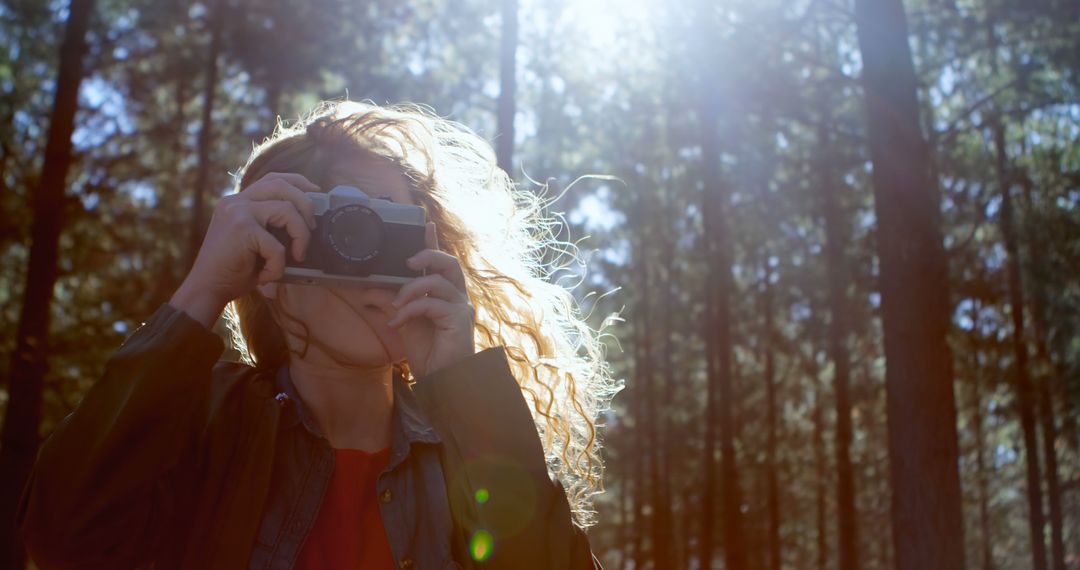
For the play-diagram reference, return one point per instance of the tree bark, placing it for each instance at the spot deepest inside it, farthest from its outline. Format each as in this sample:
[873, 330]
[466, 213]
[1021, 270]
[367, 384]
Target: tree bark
[920, 404]
[1053, 483]
[1038, 299]
[664, 551]
[659, 525]
[504, 142]
[772, 479]
[820, 463]
[29, 362]
[206, 136]
[719, 399]
[982, 485]
[643, 373]
[172, 194]
[1049, 384]
[624, 522]
[837, 281]
[638, 459]
[1025, 393]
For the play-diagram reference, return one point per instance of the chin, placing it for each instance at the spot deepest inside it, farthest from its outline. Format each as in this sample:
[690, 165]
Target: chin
[353, 323]
[371, 343]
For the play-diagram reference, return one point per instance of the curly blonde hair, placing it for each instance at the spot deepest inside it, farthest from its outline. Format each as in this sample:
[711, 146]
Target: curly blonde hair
[509, 253]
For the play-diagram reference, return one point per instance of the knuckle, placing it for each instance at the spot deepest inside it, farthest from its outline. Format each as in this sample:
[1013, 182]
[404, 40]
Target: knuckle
[251, 226]
[228, 201]
[232, 208]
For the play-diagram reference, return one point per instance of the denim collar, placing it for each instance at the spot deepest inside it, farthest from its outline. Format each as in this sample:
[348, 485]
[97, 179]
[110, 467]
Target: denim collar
[409, 423]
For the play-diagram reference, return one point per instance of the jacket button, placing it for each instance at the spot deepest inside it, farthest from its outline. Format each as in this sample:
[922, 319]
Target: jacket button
[406, 563]
[386, 496]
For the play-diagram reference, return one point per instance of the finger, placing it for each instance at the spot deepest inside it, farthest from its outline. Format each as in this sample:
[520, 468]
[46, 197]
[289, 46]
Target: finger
[283, 214]
[298, 180]
[272, 252]
[439, 262]
[431, 239]
[281, 189]
[433, 285]
[440, 312]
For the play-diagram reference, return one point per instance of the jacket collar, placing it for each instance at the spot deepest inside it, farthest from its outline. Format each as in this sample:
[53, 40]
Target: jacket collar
[409, 423]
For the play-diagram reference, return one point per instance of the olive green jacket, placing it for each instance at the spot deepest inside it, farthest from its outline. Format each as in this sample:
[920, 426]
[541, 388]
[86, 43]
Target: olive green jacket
[176, 460]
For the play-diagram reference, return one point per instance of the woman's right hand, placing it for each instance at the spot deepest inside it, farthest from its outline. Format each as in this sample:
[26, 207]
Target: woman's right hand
[227, 265]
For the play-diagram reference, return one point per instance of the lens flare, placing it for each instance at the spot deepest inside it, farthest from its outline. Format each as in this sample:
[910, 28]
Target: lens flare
[482, 495]
[481, 545]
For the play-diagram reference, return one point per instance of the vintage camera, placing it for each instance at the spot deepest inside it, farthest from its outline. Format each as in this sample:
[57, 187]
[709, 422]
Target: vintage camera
[358, 241]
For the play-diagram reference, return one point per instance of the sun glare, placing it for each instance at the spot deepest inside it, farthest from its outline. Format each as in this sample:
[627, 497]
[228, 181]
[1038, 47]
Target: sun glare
[602, 22]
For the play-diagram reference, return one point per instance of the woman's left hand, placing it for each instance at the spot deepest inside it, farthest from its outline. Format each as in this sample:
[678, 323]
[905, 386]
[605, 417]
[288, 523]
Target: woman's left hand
[435, 318]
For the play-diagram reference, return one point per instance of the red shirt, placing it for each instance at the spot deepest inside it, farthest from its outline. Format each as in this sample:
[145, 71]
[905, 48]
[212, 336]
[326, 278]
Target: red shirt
[349, 532]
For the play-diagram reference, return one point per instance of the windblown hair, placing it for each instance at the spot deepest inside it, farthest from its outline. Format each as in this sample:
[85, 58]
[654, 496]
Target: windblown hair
[508, 250]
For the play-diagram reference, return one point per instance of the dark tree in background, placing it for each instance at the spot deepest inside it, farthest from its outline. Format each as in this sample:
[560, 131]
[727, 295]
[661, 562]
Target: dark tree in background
[29, 361]
[837, 284]
[1024, 391]
[214, 23]
[927, 522]
[720, 394]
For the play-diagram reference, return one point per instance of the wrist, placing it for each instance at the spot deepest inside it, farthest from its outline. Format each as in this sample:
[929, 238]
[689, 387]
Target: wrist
[199, 304]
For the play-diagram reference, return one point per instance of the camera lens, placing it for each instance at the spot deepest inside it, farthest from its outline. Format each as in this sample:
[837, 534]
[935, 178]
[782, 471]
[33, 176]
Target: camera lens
[354, 232]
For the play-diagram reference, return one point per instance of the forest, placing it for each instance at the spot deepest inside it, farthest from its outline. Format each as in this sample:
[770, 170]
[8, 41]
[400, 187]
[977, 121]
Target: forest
[835, 244]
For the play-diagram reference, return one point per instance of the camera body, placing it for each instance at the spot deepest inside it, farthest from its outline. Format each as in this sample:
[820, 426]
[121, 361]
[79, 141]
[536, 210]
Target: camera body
[358, 241]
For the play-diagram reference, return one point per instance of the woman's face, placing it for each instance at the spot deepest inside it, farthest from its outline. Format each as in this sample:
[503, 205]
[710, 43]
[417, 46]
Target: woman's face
[351, 321]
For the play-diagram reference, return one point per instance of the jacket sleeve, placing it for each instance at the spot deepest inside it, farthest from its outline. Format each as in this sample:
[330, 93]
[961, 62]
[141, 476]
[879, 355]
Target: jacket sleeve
[508, 512]
[101, 489]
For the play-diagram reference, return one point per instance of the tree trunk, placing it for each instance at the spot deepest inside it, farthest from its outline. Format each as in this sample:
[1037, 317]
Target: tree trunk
[659, 525]
[1025, 393]
[837, 281]
[1053, 483]
[665, 552]
[688, 527]
[206, 136]
[504, 142]
[982, 486]
[1049, 384]
[720, 398]
[708, 460]
[921, 408]
[772, 483]
[172, 194]
[1038, 299]
[624, 522]
[820, 468]
[639, 451]
[643, 374]
[29, 362]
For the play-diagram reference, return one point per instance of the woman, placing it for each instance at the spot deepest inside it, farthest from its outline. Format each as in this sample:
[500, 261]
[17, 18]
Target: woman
[363, 428]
